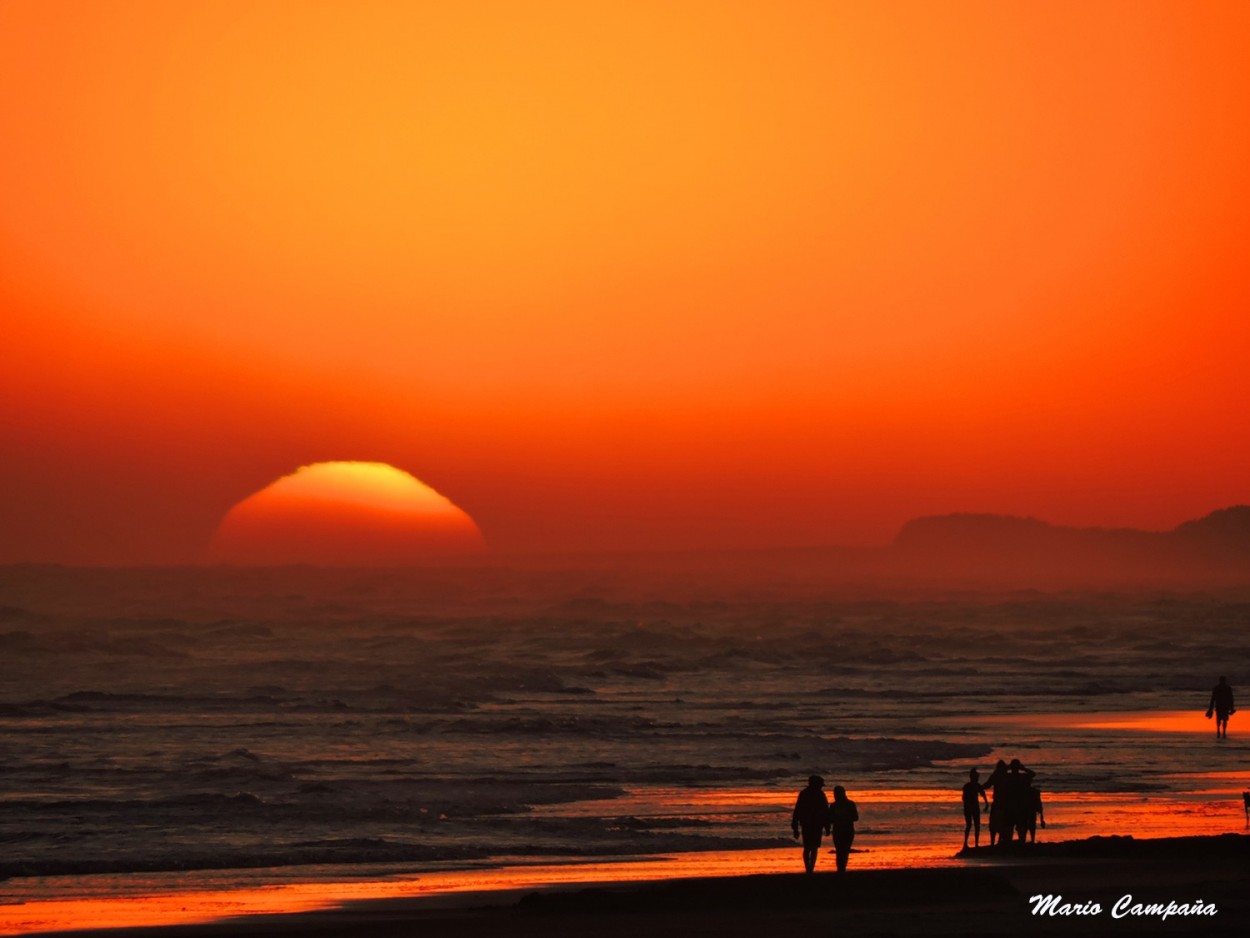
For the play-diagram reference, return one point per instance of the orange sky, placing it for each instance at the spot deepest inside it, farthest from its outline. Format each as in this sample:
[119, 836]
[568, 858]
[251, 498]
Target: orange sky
[622, 275]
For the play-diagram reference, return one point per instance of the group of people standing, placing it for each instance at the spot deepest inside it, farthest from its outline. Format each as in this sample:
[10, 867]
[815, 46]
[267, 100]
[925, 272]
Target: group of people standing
[814, 816]
[1015, 810]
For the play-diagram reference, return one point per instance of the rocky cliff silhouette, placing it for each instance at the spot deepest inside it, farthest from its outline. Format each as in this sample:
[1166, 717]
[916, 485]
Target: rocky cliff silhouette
[982, 547]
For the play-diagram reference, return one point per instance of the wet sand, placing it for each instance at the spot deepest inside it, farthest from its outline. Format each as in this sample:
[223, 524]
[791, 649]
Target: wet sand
[992, 896]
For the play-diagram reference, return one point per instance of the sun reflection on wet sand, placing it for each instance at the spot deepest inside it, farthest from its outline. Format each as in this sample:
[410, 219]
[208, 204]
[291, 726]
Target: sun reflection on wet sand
[158, 901]
[1152, 721]
[165, 899]
[901, 827]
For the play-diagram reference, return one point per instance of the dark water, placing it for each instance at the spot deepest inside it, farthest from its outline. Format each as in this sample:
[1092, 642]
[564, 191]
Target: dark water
[214, 719]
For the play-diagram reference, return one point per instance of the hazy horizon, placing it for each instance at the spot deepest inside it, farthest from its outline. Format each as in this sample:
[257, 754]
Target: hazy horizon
[958, 554]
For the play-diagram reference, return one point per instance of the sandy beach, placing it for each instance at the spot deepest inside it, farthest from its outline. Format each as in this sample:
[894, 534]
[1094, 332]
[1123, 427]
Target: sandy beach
[1186, 885]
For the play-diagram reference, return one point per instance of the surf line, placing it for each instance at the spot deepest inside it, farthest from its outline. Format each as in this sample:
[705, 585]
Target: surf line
[1124, 907]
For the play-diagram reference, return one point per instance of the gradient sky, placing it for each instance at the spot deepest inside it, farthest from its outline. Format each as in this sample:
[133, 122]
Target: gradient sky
[622, 275]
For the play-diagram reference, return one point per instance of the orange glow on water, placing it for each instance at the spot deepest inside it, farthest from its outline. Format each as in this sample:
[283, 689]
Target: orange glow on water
[180, 908]
[1151, 721]
[158, 899]
[1180, 721]
[154, 907]
[928, 836]
[764, 798]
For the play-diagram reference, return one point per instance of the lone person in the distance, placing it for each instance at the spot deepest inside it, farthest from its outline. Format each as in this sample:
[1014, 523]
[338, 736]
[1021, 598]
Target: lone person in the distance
[1222, 706]
[811, 816]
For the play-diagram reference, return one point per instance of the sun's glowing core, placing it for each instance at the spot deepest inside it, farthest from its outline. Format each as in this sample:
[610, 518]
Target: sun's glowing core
[345, 513]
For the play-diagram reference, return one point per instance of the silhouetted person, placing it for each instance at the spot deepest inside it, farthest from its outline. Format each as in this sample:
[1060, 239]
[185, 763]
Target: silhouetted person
[1019, 799]
[1036, 812]
[811, 817]
[997, 783]
[1012, 808]
[1222, 706]
[842, 817]
[973, 790]
[1245, 797]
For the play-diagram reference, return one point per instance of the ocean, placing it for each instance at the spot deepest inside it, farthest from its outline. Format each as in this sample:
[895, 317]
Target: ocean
[216, 728]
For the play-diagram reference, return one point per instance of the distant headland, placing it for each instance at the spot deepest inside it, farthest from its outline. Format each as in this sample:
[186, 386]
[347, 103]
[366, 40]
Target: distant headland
[968, 550]
[982, 546]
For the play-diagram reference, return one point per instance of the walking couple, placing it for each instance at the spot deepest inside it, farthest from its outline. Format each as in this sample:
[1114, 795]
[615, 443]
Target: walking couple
[815, 816]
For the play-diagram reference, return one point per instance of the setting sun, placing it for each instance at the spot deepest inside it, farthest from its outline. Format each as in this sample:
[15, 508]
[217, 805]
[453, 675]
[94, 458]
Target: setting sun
[345, 513]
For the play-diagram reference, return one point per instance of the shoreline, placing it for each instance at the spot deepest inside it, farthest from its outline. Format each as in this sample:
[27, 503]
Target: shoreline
[991, 896]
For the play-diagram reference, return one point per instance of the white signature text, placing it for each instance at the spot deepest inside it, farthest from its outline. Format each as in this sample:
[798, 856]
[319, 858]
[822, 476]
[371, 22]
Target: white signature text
[1124, 907]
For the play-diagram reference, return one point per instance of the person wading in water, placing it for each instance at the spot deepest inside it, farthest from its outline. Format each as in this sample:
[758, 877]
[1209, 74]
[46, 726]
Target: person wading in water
[1222, 706]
